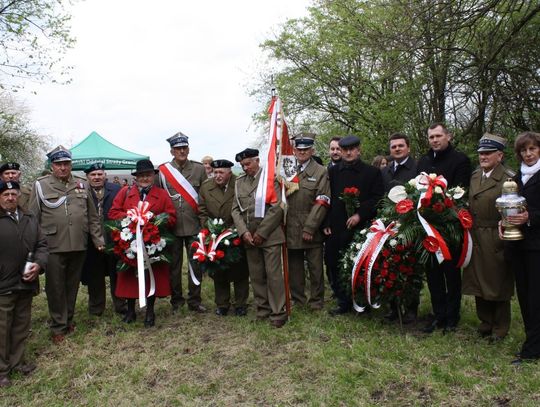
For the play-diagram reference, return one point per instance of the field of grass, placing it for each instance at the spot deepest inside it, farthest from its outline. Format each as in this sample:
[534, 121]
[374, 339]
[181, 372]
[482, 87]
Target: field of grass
[191, 359]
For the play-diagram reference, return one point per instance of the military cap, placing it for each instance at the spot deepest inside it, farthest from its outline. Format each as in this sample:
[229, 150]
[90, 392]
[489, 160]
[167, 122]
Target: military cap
[247, 153]
[144, 166]
[304, 141]
[491, 142]
[9, 166]
[94, 167]
[221, 164]
[59, 154]
[349, 141]
[178, 140]
[4, 185]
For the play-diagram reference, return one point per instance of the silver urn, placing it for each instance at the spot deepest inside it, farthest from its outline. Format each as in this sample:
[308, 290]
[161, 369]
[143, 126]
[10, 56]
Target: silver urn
[510, 203]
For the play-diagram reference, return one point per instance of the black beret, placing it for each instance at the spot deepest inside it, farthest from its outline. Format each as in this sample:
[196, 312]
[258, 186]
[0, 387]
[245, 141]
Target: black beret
[9, 166]
[349, 141]
[247, 153]
[221, 164]
[4, 185]
[94, 167]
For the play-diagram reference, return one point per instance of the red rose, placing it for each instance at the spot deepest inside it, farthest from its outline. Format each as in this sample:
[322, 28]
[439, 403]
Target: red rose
[425, 203]
[377, 280]
[115, 235]
[403, 268]
[220, 254]
[448, 202]
[430, 244]
[389, 284]
[396, 258]
[201, 258]
[194, 244]
[117, 250]
[412, 260]
[404, 206]
[438, 207]
[376, 266]
[205, 232]
[397, 293]
[400, 248]
[392, 276]
[236, 242]
[123, 244]
[385, 264]
[385, 253]
[384, 273]
[465, 218]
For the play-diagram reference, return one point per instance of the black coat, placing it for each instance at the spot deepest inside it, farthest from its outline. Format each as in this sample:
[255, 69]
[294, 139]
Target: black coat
[450, 163]
[531, 192]
[368, 180]
[92, 254]
[402, 175]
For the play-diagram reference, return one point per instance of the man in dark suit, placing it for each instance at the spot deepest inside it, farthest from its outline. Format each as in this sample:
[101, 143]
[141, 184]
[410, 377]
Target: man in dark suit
[98, 265]
[339, 225]
[400, 170]
[444, 280]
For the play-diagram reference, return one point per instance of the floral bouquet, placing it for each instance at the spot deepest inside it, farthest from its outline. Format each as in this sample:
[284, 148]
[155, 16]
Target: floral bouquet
[155, 236]
[419, 224]
[390, 276]
[349, 196]
[217, 247]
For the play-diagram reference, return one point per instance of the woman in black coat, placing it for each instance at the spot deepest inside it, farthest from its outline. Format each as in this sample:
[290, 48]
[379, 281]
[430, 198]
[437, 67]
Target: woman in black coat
[525, 254]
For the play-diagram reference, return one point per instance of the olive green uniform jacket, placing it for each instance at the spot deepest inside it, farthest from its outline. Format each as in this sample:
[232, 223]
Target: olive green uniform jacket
[487, 275]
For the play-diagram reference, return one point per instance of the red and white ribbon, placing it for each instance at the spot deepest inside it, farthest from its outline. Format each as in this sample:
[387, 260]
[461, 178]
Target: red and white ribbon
[209, 250]
[442, 253]
[141, 215]
[180, 184]
[466, 250]
[367, 256]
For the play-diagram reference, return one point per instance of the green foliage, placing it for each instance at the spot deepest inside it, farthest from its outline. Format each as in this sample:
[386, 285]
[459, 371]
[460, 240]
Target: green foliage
[377, 67]
[34, 35]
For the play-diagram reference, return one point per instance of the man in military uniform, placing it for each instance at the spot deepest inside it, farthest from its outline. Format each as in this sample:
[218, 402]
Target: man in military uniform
[67, 214]
[215, 202]
[11, 171]
[262, 238]
[22, 242]
[99, 264]
[306, 211]
[182, 178]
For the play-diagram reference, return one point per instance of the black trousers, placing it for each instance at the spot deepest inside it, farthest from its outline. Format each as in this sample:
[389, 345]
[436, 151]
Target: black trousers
[444, 283]
[526, 267]
[338, 280]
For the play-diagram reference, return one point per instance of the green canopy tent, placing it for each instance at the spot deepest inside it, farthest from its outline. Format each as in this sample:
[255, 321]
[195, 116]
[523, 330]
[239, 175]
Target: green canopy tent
[95, 148]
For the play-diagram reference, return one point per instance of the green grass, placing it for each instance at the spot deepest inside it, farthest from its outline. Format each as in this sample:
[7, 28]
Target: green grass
[315, 360]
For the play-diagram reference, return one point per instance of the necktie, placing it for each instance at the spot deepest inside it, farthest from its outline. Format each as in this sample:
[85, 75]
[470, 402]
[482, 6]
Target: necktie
[13, 216]
[397, 167]
[483, 179]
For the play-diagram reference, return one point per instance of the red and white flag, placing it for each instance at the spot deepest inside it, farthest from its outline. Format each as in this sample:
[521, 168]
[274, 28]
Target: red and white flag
[279, 154]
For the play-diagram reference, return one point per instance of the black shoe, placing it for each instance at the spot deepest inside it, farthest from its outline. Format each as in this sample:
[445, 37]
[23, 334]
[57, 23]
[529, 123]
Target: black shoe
[240, 311]
[149, 321]
[432, 326]
[222, 311]
[129, 317]
[409, 317]
[197, 308]
[392, 316]
[338, 311]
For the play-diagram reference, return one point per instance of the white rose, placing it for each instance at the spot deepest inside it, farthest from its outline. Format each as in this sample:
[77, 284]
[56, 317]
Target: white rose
[215, 221]
[393, 243]
[363, 231]
[151, 249]
[130, 255]
[458, 192]
[358, 246]
[432, 176]
[125, 222]
[397, 194]
[412, 182]
[220, 221]
[133, 246]
[161, 244]
[213, 236]
[226, 242]
[438, 190]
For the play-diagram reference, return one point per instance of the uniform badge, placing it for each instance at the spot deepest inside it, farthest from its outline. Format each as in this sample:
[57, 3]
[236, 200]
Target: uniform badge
[312, 179]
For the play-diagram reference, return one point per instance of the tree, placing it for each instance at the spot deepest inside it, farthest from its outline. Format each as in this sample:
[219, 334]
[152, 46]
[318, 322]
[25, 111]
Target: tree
[18, 141]
[376, 67]
[34, 35]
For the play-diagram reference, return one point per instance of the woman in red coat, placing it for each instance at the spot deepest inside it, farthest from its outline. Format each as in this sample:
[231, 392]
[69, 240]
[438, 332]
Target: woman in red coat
[159, 202]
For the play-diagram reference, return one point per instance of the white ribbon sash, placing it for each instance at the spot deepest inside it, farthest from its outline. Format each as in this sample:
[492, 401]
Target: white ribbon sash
[180, 184]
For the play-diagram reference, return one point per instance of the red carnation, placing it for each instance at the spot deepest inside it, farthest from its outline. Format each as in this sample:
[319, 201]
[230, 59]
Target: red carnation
[352, 191]
[400, 248]
[115, 235]
[385, 253]
[430, 244]
[384, 273]
[403, 268]
[425, 203]
[438, 207]
[392, 276]
[389, 284]
[194, 244]
[404, 206]
[205, 232]
[201, 258]
[236, 242]
[465, 218]
[396, 258]
[448, 202]
[220, 254]
[377, 280]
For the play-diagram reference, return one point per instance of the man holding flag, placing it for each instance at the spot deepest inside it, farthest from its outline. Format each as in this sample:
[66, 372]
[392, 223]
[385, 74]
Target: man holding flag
[258, 221]
[182, 179]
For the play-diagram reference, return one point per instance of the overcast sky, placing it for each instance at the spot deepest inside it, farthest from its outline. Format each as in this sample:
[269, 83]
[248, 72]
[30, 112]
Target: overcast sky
[145, 70]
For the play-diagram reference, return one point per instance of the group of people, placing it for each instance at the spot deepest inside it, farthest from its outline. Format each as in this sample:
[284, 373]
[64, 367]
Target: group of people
[60, 222]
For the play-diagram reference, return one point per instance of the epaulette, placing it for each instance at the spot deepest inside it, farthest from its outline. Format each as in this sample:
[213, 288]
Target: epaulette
[477, 170]
[43, 177]
[511, 173]
[196, 162]
[240, 176]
